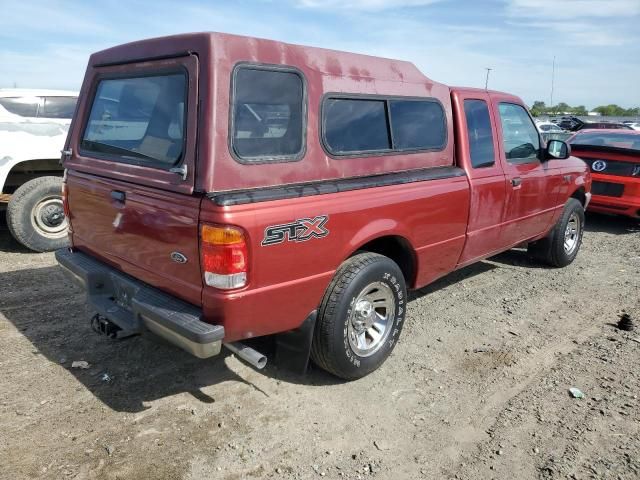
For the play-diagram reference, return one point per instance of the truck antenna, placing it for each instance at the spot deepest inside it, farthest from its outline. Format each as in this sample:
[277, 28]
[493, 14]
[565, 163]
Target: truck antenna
[486, 80]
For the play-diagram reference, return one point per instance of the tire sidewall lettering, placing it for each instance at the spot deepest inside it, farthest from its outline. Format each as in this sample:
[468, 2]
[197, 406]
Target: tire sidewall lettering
[396, 287]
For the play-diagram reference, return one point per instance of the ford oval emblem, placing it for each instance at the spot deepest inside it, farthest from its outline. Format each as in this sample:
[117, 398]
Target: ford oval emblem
[599, 165]
[178, 257]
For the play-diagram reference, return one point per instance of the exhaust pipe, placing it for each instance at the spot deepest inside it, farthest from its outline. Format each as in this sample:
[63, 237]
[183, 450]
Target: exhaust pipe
[248, 354]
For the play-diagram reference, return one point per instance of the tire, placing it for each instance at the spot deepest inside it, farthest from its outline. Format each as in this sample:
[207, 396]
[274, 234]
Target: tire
[35, 216]
[352, 338]
[554, 249]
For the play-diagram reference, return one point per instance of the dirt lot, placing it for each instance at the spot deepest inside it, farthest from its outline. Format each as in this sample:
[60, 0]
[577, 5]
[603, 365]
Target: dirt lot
[477, 387]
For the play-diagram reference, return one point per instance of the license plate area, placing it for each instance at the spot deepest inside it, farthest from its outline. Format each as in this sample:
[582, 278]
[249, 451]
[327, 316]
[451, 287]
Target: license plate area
[112, 297]
[608, 189]
[123, 292]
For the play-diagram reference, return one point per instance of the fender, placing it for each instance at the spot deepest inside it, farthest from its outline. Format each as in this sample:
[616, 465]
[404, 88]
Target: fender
[383, 227]
[22, 141]
[8, 163]
[387, 237]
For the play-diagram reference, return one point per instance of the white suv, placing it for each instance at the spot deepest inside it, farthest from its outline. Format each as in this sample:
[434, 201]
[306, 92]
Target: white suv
[33, 129]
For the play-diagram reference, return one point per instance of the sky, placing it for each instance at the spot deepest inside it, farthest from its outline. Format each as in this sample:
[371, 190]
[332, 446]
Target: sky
[596, 43]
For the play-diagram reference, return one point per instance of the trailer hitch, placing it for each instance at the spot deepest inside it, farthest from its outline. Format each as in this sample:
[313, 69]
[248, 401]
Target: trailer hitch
[103, 326]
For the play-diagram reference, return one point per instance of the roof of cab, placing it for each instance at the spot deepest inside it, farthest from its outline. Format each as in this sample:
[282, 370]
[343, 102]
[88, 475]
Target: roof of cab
[221, 46]
[481, 90]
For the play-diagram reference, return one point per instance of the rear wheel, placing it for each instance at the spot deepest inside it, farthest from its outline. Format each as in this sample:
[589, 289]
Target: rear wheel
[360, 317]
[35, 215]
[561, 246]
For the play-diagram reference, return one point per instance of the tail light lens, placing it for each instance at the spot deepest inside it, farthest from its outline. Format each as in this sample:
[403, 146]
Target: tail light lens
[224, 256]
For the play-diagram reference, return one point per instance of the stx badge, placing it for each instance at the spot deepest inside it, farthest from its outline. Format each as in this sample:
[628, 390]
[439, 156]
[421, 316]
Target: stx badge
[298, 231]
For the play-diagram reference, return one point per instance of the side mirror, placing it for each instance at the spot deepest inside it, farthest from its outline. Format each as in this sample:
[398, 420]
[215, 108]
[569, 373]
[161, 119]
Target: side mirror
[557, 149]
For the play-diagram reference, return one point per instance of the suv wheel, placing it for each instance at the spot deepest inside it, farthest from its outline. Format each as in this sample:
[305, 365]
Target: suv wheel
[35, 215]
[360, 317]
[561, 246]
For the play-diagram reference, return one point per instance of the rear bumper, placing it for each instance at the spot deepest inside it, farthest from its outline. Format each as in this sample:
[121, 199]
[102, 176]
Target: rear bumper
[626, 201]
[136, 307]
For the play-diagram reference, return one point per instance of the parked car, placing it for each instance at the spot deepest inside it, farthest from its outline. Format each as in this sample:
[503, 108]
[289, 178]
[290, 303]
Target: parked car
[548, 127]
[326, 184]
[614, 159]
[603, 125]
[570, 123]
[33, 129]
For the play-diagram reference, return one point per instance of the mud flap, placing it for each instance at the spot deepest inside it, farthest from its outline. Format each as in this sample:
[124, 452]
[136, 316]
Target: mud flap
[293, 348]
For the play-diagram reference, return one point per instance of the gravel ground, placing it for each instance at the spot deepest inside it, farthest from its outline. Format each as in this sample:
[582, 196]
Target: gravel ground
[476, 388]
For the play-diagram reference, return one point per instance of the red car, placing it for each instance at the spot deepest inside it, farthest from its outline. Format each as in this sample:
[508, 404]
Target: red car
[614, 159]
[221, 188]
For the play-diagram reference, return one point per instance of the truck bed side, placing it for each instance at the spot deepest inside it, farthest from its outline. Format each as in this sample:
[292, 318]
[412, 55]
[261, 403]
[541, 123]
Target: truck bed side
[287, 279]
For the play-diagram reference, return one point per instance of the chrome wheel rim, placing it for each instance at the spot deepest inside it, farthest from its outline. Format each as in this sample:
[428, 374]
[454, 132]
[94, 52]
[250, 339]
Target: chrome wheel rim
[572, 234]
[48, 218]
[371, 319]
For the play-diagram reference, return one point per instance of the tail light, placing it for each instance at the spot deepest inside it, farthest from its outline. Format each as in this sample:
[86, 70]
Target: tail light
[224, 256]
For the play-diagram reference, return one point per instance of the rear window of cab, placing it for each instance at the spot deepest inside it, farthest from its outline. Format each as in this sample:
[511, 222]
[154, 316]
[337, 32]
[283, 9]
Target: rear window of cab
[138, 120]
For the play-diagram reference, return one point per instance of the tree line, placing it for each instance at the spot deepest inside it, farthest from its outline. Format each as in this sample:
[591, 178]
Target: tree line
[540, 108]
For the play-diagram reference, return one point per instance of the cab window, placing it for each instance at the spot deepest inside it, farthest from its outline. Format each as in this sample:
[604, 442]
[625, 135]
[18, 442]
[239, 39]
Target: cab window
[519, 134]
[479, 133]
[58, 107]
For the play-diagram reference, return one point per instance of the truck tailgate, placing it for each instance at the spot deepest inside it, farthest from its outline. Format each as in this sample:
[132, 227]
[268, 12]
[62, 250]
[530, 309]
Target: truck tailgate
[148, 233]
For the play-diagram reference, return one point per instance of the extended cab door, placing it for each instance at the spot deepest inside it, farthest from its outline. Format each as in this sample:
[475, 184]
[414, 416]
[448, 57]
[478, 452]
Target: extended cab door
[532, 186]
[477, 151]
[130, 172]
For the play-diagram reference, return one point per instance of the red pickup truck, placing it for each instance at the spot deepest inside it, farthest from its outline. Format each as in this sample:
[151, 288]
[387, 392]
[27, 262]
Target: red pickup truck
[220, 188]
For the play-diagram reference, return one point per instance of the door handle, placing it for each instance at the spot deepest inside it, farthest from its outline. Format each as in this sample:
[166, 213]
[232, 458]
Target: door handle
[118, 196]
[516, 182]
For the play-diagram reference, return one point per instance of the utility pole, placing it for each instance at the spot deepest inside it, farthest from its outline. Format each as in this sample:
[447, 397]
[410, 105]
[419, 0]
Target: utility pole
[553, 74]
[486, 81]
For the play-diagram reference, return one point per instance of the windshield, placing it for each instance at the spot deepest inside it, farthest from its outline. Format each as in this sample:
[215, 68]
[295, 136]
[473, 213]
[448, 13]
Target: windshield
[138, 120]
[628, 141]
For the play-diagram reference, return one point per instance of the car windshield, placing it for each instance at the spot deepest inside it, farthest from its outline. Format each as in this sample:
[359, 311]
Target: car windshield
[627, 141]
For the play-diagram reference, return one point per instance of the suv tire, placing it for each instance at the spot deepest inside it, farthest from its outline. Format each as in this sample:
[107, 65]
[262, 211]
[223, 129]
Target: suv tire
[561, 246]
[360, 317]
[35, 215]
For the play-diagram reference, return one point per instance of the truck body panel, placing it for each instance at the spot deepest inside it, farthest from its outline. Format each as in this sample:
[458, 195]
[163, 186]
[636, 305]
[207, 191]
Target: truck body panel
[137, 230]
[266, 305]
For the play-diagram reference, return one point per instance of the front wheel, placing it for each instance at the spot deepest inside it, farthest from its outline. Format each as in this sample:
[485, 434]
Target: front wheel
[561, 246]
[35, 215]
[360, 317]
